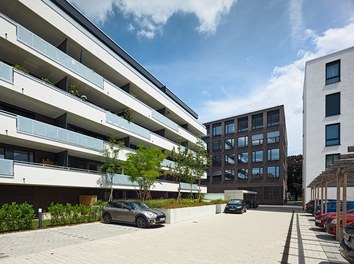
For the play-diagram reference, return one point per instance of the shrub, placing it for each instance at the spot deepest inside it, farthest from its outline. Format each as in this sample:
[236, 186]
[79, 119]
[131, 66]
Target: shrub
[16, 216]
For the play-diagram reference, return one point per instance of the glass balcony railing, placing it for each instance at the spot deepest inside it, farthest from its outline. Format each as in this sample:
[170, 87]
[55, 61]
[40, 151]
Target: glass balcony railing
[39, 129]
[187, 186]
[164, 120]
[6, 168]
[167, 164]
[119, 179]
[43, 47]
[126, 125]
[6, 72]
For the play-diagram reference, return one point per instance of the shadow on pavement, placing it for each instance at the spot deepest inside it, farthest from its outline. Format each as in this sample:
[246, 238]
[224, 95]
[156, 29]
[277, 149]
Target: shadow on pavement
[279, 208]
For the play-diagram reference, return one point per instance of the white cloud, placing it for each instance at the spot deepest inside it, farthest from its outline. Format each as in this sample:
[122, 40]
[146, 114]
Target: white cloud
[151, 15]
[284, 87]
[296, 20]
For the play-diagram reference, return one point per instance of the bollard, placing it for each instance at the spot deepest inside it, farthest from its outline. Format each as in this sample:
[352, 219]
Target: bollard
[40, 217]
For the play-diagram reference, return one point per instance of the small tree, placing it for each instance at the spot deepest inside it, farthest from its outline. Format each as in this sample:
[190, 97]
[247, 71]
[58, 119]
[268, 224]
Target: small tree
[144, 167]
[200, 163]
[111, 165]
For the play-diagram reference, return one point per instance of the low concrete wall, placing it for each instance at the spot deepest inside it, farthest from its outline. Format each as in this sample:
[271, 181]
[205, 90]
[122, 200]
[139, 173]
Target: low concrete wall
[189, 213]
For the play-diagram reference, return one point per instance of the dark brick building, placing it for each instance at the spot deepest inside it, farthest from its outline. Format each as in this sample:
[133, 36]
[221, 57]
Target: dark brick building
[249, 153]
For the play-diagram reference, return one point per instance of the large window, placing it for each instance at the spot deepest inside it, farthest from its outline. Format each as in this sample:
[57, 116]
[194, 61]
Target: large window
[229, 143]
[217, 145]
[229, 127]
[257, 156]
[22, 155]
[331, 158]
[242, 124]
[257, 121]
[229, 175]
[273, 137]
[257, 139]
[273, 118]
[2, 153]
[229, 159]
[207, 127]
[216, 176]
[333, 104]
[273, 154]
[333, 72]
[242, 142]
[273, 172]
[217, 160]
[257, 173]
[242, 157]
[333, 134]
[217, 130]
[242, 174]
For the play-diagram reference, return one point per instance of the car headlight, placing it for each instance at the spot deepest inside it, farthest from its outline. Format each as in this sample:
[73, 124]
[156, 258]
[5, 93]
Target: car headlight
[334, 221]
[150, 214]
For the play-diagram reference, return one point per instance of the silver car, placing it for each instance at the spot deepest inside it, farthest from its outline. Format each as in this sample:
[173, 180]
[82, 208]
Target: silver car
[132, 212]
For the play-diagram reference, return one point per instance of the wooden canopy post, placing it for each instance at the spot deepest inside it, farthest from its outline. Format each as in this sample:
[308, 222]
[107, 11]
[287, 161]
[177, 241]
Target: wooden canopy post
[338, 205]
[326, 197]
[344, 214]
[322, 197]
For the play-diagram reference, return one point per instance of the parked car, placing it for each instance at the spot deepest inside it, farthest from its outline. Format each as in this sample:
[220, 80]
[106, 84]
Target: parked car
[236, 206]
[331, 222]
[132, 212]
[347, 243]
[310, 206]
[332, 207]
[321, 219]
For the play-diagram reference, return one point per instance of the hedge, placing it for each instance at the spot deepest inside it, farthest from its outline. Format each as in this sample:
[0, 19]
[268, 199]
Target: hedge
[16, 216]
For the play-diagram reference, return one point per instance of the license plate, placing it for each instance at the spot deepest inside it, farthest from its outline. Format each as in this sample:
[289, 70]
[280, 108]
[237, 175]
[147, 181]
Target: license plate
[232, 209]
[162, 219]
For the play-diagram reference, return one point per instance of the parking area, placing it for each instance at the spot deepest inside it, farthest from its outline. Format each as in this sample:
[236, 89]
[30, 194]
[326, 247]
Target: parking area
[268, 234]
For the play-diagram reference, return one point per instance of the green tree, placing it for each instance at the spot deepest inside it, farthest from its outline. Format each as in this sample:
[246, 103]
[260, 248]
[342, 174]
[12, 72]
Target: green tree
[111, 165]
[200, 163]
[144, 167]
[294, 181]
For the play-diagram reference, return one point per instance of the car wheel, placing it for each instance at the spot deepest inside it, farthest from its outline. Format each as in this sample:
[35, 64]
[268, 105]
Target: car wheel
[107, 219]
[141, 222]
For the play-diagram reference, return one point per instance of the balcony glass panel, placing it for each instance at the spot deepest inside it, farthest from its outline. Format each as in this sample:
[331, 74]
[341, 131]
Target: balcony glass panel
[6, 72]
[168, 122]
[188, 186]
[36, 128]
[129, 126]
[6, 167]
[120, 179]
[57, 55]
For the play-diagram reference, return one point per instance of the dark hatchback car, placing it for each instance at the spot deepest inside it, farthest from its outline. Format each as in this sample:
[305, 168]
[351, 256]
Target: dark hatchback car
[347, 243]
[236, 206]
[132, 212]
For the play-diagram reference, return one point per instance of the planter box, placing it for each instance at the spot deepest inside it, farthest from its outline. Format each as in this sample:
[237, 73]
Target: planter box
[188, 213]
[219, 208]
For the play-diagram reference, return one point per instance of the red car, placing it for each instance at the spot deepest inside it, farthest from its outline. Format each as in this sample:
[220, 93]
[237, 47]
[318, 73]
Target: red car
[331, 222]
[321, 219]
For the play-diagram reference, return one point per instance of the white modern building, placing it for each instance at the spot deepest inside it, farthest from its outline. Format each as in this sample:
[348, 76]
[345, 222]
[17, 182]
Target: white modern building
[328, 118]
[65, 88]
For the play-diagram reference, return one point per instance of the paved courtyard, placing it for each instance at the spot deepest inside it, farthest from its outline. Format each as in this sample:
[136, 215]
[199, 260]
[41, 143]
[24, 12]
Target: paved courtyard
[268, 234]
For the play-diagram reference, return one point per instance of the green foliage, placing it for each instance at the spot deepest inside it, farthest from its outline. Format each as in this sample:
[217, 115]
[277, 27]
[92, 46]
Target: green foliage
[16, 216]
[172, 203]
[74, 214]
[73, 89]
[21, 68]
[144, 167]
[127, 115]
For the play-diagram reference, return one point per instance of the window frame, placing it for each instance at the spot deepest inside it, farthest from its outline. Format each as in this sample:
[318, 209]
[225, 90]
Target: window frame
[229, 178]
[240, 155]
[270, 154]
[245, 145]
[259, 174]
[255, 121]
[226, 126]
[239, 170]
[216, 143]
[334, 78]
[259, 141]
[271, 116]
[240, 124]
[276, 172]
[331, 104]
[215, 126]
[230, 146]
[332, 156]
[226, 159]
[328, 140]
[254, 155]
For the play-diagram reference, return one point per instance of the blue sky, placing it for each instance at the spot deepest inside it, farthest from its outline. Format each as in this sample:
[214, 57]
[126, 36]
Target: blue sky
[229, 57]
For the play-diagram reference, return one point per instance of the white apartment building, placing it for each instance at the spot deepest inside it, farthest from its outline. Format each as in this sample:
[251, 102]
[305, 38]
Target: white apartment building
[65, 88]
[328, 118]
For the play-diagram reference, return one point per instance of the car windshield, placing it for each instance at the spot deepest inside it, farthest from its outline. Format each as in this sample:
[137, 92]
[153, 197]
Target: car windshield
[235, 202]
[139, 205]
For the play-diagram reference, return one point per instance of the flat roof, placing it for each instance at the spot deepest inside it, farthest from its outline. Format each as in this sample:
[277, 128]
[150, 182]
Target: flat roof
[100, 35]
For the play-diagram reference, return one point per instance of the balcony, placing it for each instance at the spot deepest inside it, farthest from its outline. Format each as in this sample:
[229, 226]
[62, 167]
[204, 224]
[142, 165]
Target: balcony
[39, 129]
[6, 73]
[6, 168]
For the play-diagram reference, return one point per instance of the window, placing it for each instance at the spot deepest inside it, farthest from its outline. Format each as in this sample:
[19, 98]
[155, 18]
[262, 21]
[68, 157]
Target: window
[242, 174]
[217, 145]
[229, 159]
[273, 172]
[331, 158]
[207, 127]
[242, 142]
[229, 175]
[229, 143]
[257, 156]
[208, 147]
[273, 154]
[2, 153]
[333, 72]
[217, 160]
[273, 118]
[242, 124]
[273, 137]
[257, 139]
[333, 104]
[22, 155]
[217, 129]
[257, 121]
[257, 173]
[333, 134]
[216, 176]
[229, 127]
[242, 157]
